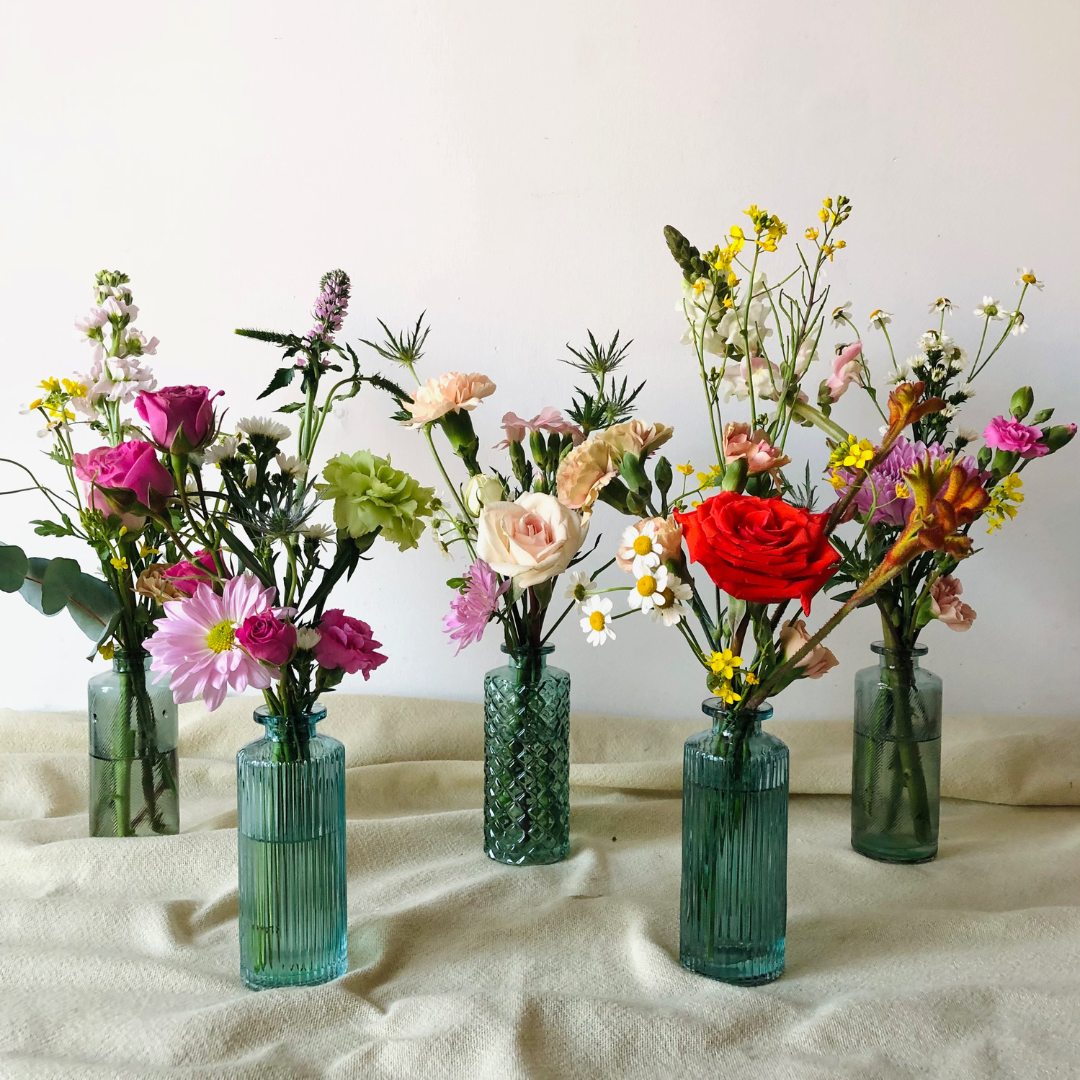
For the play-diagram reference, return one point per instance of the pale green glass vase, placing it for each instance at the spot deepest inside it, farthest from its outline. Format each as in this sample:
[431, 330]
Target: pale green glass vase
[734, 860]
[290, 791]
[527, 760]
[134, 790]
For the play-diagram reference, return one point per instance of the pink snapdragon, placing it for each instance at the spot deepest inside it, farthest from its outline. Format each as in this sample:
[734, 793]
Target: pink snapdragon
[847, 369]
[471, 610]
[1009, 435]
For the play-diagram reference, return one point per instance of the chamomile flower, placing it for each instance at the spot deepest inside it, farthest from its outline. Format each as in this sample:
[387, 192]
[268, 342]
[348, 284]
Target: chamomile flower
[1019, 324]
[905, 370]
[1027, 277]
[292, 466]
[672, 610]
[578, 587]
[263, 425]
[841, 315]
[990, 309]
[942, 304]
[880, 319]
[314, 530]
[222, 451]
[639, 550]
[594, 622]
[650, 590]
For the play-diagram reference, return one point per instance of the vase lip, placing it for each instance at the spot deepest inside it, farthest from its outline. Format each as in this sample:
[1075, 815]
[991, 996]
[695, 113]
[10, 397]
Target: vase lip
[264, 716]
[714, 707]
[129, 659]
[882, 649]
[526, 650]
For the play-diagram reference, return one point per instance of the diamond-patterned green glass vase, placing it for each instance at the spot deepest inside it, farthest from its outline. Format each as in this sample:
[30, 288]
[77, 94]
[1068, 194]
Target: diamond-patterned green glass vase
[527, 760]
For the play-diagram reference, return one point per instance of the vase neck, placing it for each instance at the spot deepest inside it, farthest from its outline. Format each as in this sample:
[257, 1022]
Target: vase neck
[529, 657]
[727, 719]
[282, 728]
[131, 660]
[899, 658]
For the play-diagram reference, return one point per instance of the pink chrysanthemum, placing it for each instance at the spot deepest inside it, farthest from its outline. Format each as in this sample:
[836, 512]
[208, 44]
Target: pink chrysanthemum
[471, 611]
[196, 642]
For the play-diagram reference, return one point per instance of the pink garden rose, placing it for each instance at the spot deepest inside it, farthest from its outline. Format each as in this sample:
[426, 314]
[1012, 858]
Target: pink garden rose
[265, 637]
[188, 576]
[347, 643]
[760, 456]
[817, 661]
[947, 606]
[128, 478]
[1005, 433]
[846, 370]
[530, 540]
[447, 393]
[181, 418]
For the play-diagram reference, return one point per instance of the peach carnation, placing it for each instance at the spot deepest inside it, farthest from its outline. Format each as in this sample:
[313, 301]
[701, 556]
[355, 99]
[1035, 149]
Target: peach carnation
[447, 393]
[590, 467]
[760, 455]
[817, 661]
[946, 605]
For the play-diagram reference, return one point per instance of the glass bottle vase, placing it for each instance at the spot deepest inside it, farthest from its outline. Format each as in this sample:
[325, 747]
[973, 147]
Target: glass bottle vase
[733, 918]
[896, 764]
[527, 760]
[290, 795]
[134, 787]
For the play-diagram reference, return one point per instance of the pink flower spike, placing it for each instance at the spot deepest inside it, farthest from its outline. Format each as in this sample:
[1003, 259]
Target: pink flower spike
[846, 370]
[196, 643]
[471, 611]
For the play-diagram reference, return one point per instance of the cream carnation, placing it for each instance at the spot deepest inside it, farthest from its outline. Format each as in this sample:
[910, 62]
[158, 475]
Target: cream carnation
[946, 605]
[530, 540]
[817, 661]
[447, 393]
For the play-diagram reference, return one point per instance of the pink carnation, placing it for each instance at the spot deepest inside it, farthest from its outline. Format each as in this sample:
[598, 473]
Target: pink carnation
[548, 419]
[947, 606]
[846, 370]
[447, 393]
[1005, 433]
[347, 643]
[760, 455]
[471, 610]
[187, 576]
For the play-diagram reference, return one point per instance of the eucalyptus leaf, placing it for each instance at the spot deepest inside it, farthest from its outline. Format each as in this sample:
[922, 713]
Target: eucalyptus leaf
[13, 568]
[60, 579]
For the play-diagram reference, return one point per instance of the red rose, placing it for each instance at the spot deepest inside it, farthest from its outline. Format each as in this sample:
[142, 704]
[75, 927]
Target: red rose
[761, 550]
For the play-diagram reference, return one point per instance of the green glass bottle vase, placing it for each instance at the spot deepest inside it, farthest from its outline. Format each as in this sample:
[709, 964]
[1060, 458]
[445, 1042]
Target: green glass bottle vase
[134, 788]
[734, 858]
[527, 760]
[896, 764]
[290, 791]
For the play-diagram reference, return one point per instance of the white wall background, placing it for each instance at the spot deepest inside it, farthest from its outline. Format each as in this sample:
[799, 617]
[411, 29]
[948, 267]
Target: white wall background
[509, 168]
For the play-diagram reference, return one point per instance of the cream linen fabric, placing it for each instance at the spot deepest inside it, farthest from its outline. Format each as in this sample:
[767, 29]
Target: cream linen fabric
[119, 958]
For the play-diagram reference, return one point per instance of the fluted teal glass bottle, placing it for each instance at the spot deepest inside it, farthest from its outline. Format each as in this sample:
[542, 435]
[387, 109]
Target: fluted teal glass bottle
[896, 765]
[734, 863]
[527, 760]
[134, 789]
[290, 791]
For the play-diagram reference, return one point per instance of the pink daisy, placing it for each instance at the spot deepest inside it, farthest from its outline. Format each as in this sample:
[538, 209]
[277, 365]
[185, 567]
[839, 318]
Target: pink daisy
[471, 610]
[196, 642]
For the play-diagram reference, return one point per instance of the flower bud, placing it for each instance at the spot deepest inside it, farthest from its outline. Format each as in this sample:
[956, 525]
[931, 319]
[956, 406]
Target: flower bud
[1021, 402]
[462, 437]
[482, 490]
[539, 449]
[1058, 436]
[985, 454]
[518, 462]
[735, 475]
[662, 475]
[632, 471]
[1042, 416]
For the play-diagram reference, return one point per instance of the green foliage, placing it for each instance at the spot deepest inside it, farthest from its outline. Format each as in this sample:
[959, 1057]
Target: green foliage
[685, 254]
[608, 402]
[282, 377]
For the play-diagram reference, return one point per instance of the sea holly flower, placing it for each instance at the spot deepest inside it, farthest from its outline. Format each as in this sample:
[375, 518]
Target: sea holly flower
[196, 643]
[594, 620]
[472, 609]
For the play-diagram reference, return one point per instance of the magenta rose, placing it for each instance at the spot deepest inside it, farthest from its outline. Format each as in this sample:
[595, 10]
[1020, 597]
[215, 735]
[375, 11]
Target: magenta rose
[181, 418]
[129, 478]
[1005, 433]
[267, 638]
[188, 576]
[347, 643]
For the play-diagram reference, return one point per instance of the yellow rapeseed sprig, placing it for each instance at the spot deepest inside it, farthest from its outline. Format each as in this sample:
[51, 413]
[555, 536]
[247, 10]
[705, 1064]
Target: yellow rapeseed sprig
[1004, 499]
[686, 470]
[724, 663]
[852, 453]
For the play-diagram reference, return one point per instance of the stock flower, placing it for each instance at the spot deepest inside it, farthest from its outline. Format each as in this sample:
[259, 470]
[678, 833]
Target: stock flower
[648, 543]
[847, 369]
[447, 393]
[196, 642]
[95, 319]
[471, 610]
[1013, 437]
[1027, 277]
[990, 309]
[127, 480]
[348, 644]
[187, 576]
[648, 592]
[817, 661]
[267, 638]
[181, 418]
[760, 455]
[594, 621]
[115, 378]
[369, 494]
[768, 381]
[761, 550]
[946, 605]
[530, 540]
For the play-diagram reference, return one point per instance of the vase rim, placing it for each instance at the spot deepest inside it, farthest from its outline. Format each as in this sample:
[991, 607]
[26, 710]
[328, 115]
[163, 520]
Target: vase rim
[882, 649]
[130, 659]
[264, 716]
[526, 650]
[714, 707]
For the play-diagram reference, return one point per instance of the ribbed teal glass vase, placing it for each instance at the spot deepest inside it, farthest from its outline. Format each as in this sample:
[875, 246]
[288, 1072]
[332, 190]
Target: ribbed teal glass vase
[896, 765]
[734, 862]
[290, 791]
[527, 760]
[134, 790]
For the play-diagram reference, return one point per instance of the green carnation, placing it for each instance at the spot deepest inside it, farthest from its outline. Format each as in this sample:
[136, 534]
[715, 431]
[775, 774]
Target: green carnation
[369, 494]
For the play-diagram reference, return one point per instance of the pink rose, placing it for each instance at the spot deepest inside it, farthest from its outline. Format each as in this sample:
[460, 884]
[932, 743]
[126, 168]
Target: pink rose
[1005, 433]
[947, 606]
[846, 370]
[530, 540]
[760, 456]
[181, 418]
[817, 661]
[447, 393]
[347, 643]
[129, 478]
[267, 638]
[187, 576]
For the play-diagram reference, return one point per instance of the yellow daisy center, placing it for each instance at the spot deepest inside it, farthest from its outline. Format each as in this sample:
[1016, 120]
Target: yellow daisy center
[1029, 279]
[646, 585]
[221, 637]
[643, 546]
[597, 620]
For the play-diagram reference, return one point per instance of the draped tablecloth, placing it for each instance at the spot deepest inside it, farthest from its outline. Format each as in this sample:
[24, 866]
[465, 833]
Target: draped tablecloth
[119, 958]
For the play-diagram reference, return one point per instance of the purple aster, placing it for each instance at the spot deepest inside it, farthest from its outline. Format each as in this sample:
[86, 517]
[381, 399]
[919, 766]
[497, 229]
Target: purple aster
[331, 306]
[471, 610]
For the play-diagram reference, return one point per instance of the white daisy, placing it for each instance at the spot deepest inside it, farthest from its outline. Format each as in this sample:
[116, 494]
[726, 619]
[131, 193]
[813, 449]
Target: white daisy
[929, 341]
[880, 319]
[219, 452]
[905, 370]
[316, 531]
[250, 476]
[649, 592]
[307, 637]
[841, 314]
[672, 610]
[1019, 324]
[263, 425]
[595, 621]
[1027, 277]
[967, 434]
[942, 304]
[639, 548]
[990, 309]
[578, 587]
[292, 465]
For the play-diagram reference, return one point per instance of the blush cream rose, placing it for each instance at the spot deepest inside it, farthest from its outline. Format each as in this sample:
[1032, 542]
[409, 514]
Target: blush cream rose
[530, 540]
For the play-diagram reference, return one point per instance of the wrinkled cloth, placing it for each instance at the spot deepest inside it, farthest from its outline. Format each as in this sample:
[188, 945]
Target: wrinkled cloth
[119, 958]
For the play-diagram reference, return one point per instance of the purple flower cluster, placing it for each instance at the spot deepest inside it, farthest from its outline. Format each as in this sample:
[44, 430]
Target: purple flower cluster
[331, 306]
[472, 609]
